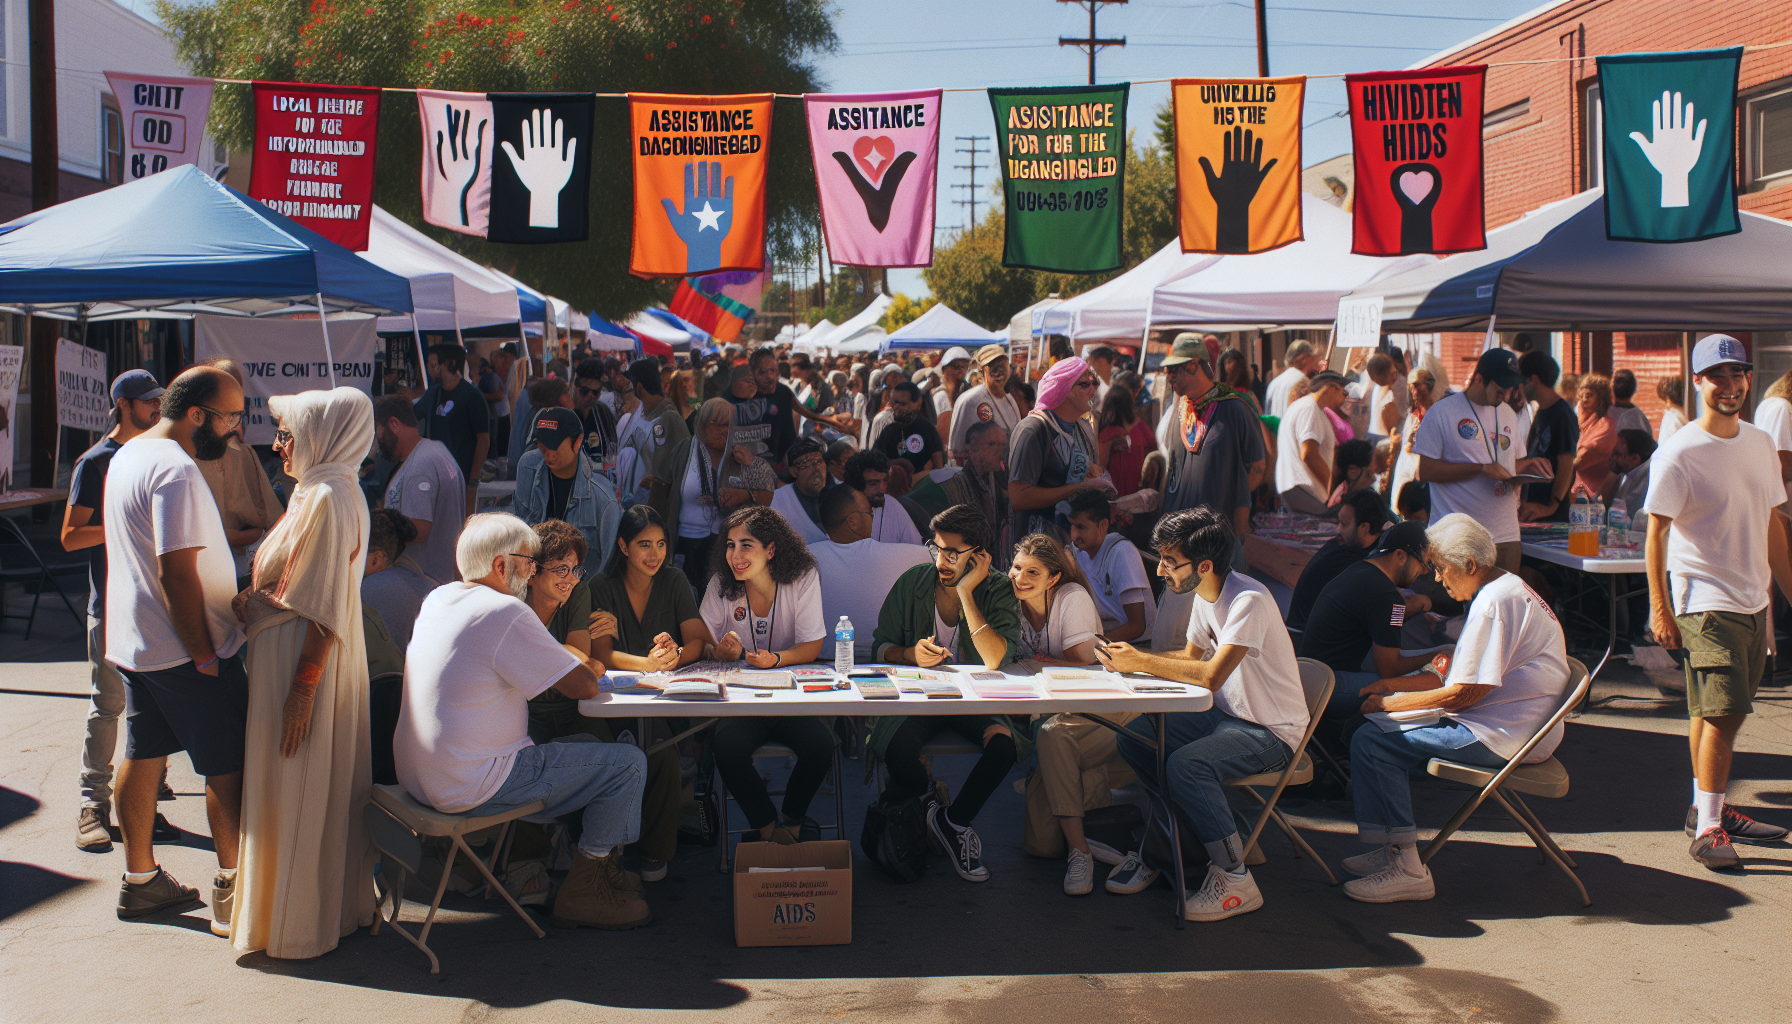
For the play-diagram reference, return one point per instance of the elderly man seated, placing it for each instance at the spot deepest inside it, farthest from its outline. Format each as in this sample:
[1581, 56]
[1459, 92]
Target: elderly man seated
[1505, 679]
[477, 655]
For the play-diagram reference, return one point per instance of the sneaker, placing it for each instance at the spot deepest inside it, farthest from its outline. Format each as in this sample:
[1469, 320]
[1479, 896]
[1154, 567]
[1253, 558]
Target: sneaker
[1132, 875]
[140, 899]
[1104, 854]
[165, 831]
[594, 895]
[960, 843]
[1079, 874]
[92, 831]
[654, 870]
[1391, 885]
[1738, 826]
[1369, 863]
[1712, 848]
[223, 900]
[1223, 895]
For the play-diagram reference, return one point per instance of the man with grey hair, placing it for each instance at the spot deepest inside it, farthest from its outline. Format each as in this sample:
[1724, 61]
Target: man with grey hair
[1512, 645]
[1390, 401]
[1302, 362]
[478, 654]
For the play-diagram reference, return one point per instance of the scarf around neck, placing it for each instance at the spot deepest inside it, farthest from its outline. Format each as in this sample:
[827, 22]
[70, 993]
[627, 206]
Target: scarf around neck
[1197, 412]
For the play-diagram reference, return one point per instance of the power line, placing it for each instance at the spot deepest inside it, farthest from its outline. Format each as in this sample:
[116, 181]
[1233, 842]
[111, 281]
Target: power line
[1092, 44]
[973, 167]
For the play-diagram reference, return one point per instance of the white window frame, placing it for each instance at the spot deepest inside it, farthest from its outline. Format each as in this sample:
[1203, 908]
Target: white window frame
[109, 112]
[1755, 180]
[1593, 137]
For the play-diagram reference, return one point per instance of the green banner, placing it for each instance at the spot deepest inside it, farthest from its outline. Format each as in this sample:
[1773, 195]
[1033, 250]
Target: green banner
[1063, 157]
[1670, 145]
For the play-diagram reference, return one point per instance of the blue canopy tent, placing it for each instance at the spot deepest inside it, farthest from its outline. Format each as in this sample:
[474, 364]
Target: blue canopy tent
[941, 327]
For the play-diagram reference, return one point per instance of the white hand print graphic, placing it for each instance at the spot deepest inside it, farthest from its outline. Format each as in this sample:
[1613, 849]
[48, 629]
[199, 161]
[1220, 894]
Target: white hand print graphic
[545, 166]
[1675, 149]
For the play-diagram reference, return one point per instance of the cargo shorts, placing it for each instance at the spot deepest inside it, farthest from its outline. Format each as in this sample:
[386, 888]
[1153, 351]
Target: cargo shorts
[1726, 656]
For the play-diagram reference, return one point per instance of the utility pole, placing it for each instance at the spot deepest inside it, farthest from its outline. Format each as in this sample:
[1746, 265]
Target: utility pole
[1094, 43]
[46, 190]
[1262, 40]
[973, 167]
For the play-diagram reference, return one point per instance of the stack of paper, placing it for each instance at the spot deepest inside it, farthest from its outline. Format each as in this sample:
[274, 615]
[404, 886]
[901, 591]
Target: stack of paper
[1063, 679]
[693, 687]
[770, 679]
[997, 686]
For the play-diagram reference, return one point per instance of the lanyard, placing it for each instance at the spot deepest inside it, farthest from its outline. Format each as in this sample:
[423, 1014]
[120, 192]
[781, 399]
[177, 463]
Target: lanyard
[770, 619]
[1487, 442]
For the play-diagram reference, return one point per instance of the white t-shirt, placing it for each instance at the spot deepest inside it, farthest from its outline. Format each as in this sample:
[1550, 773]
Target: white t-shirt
[1305, 421]
[976, 405]
[1458, 430]
[1395, 394]
[795, 617]
[1635, 419]
[891, 524]
[1511, 640]
[1071, 620]
[156, 501]
[1774, 415]
[1117, 576]
[855, 579]
[429, 487]
[1720, 493]
[475, 659]
[942, 402]
[1265, 687]
[1673, 419]
[1275, 396]
[786, 503]
[693, 516]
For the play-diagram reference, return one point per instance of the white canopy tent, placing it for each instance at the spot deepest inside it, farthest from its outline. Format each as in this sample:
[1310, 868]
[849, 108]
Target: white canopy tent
[869, 340]
[812, 339]
[862, 323]
[450, 291]
[941, 327]
[1117, 310]
[1023, 325]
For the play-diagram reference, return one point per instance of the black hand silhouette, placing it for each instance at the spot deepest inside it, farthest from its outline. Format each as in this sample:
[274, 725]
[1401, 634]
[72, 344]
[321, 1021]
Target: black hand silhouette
[1242, 171]
[460, 155]
[1415, 214]
[877, 200]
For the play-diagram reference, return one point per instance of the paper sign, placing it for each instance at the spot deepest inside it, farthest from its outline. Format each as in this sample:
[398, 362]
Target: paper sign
[1359, 322]
[285, 357]
[164, 120]
[12, 363]
[83, 392]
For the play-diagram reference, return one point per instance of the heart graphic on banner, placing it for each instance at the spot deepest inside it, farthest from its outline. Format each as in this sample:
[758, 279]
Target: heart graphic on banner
[873, 155]
[1417, 185]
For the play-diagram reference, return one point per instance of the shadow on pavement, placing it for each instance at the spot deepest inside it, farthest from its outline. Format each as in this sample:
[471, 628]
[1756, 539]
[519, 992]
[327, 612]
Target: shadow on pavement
[23, 886]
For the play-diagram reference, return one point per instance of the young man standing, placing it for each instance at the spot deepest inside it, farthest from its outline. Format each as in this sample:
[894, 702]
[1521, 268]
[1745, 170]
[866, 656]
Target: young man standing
[597, 417]
[1115, 571]
[1554, 438]
[1302, 361]
[1214, 442]
[1101, 359]
[1238, 649]
[988, 402]
[911, 437]
[1713, 488]
[171, 631]
[556, 481]
[453, 412]
[660, 427]
[427, 486]
[1624, 414]
[136, 407]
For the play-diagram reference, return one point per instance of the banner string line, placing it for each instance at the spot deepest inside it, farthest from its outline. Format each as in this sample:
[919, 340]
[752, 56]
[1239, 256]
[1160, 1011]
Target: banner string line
[1747, 48]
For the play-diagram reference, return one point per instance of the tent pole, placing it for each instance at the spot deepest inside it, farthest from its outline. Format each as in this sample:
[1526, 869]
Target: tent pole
[1145, 335]
[323, 323]
[1688, 397]
[417, 336]
[1492, 339]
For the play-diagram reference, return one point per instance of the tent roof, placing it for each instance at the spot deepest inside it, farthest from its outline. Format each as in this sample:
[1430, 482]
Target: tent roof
[1116, 309]
[1022, 324]
[871, 339]
[806, 341]
[450, 291]
[940, 327]
[852, 327]
[533, 304]
[1554, 269]
[1299, 283]
[181, 242]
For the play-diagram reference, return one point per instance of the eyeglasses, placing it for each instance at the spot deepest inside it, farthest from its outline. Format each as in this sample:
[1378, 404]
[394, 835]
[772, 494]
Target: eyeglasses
[232, 420]
[953, 555]
[282, 438]
[1085, 383]
[573, 572]
[807, 463]
[534, 563]
[590, 392]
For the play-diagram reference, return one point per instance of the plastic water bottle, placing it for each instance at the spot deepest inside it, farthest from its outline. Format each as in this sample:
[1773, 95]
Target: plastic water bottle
[1583, 530]
[843, 646]
[1617, 523]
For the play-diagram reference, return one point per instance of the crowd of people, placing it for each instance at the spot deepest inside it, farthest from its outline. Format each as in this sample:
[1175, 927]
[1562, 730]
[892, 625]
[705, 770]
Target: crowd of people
[356, 624]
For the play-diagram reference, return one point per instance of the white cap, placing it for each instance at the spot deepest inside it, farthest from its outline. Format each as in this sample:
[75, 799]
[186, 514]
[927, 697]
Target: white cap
[954, 354]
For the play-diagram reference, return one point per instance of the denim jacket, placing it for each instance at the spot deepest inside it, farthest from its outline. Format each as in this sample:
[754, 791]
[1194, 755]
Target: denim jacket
[592, 506]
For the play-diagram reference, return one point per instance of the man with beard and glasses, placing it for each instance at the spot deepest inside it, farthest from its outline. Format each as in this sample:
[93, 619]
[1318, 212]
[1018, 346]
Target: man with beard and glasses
[477, 656]
[981, 484]
[1360, 615]
[427, 487]
[171, 631]
[1713, 487]
[868, 472]
[910, 438]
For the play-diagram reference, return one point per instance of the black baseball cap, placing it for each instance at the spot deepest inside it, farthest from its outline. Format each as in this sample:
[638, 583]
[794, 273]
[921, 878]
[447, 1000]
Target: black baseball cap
[646, 372]
[1408, 537]
[554, 426]
[1499, 367]
[137, 384]
[1324, 377]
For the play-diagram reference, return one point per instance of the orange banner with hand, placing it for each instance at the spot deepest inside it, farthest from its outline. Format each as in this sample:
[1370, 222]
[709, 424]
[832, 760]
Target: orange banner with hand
[1238, 162]
[700, 164]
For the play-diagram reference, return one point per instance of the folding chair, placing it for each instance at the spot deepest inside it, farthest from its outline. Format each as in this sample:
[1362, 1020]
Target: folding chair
[11, 536]
[1545, 778]
[397, 820]
[725, 863]
[1316, 682]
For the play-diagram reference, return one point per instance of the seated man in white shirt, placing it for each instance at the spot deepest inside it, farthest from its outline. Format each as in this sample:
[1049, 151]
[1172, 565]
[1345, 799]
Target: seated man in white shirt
[857, 572]
[1237, 648]
[1512, 646]
[477, 655]
[1628, 481]
[868, 472]
[1114, 568]
[799, 501]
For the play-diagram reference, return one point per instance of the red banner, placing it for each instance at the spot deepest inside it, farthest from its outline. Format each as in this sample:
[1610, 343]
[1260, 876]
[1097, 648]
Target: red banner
[1417, 142]
[314, 156]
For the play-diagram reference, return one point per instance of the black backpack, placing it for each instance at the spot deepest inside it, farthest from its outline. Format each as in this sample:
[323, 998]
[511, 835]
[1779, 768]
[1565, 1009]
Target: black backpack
[895, 836]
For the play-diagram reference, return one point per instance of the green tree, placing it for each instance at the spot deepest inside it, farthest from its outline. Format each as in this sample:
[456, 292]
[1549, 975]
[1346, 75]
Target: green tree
[686, 46]
[904, 311]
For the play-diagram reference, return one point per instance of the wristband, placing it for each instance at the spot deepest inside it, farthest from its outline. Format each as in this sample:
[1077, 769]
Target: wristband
[208, 664]
[778, 655]
[979, 629]
[305, 680]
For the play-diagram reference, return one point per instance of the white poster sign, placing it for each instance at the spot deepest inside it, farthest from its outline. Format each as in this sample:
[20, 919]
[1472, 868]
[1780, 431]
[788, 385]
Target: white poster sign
[164, 120]
[1359, 322]
[285, 357]
[12, 363]
[83, 392]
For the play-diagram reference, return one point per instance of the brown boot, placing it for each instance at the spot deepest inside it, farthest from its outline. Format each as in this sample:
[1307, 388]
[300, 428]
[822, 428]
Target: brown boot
[594, 896]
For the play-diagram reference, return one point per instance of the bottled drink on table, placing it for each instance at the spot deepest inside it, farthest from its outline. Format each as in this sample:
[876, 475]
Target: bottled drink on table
[843, 645]
[1583, 527]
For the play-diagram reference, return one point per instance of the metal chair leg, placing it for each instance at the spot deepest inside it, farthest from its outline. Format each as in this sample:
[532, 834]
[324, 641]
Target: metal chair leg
[1544, 845]
[493, 882]
[1519, 802]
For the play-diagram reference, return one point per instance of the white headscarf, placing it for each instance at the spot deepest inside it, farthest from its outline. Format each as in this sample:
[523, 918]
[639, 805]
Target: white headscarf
[313, 558]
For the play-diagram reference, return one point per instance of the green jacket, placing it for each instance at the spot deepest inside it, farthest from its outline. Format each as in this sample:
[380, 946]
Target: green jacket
[907, 616]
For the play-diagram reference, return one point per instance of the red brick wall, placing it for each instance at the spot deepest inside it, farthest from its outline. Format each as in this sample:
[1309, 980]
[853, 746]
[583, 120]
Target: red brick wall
[1537, 159]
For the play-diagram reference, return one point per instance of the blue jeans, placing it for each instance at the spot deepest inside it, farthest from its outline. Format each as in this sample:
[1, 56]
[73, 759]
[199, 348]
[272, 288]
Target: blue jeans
[1346, 690]
[1380, 761]
[604, 780]
[1206, 748]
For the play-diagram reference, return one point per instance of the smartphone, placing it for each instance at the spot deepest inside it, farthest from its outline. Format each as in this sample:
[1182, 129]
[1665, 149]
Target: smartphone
[880, 688]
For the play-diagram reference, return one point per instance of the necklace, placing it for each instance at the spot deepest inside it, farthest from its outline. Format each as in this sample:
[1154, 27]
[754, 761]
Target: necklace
[1486, 441]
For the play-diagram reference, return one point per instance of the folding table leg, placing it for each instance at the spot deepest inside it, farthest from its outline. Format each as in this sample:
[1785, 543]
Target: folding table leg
[1163, 781]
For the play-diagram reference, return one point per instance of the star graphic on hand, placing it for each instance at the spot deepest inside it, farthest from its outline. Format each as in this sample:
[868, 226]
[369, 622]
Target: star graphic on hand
[709, 218]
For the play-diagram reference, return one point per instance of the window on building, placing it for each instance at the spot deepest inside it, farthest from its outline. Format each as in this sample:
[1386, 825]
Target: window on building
[1767, 125]
[1592, 149]
[111, 146]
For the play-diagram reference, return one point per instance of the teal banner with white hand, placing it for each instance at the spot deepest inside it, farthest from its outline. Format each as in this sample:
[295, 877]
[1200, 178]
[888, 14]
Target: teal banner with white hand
[1670, 145]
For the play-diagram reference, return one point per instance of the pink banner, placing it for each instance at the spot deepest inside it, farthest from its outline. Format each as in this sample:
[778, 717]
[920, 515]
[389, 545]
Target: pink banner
[876, 155]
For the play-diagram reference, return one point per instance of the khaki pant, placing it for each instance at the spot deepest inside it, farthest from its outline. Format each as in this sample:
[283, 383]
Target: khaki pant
[1078, 771]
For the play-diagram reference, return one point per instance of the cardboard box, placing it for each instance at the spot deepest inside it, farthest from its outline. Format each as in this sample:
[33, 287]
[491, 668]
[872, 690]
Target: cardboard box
[811, 907]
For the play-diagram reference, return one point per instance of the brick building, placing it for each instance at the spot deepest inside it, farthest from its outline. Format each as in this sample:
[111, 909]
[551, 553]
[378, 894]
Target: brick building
[1542, 132]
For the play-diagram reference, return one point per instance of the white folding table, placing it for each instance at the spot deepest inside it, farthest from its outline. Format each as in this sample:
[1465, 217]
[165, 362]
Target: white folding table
[1604, 570]
[743, 702]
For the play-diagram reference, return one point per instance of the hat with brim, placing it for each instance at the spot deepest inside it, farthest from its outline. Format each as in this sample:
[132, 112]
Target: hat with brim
[1324, 377]
[138, 384]
[1718, 350]
[1499, 367]
[954, 354]
[1408, 537]
[554, 426]
[989, 354]
[1187, 348]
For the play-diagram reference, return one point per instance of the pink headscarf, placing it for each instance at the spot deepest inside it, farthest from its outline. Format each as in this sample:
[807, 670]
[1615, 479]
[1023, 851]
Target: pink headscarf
[1054, 387]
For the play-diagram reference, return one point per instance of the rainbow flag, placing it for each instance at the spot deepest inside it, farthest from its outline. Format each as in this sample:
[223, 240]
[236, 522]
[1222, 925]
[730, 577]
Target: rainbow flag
[720, 303]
